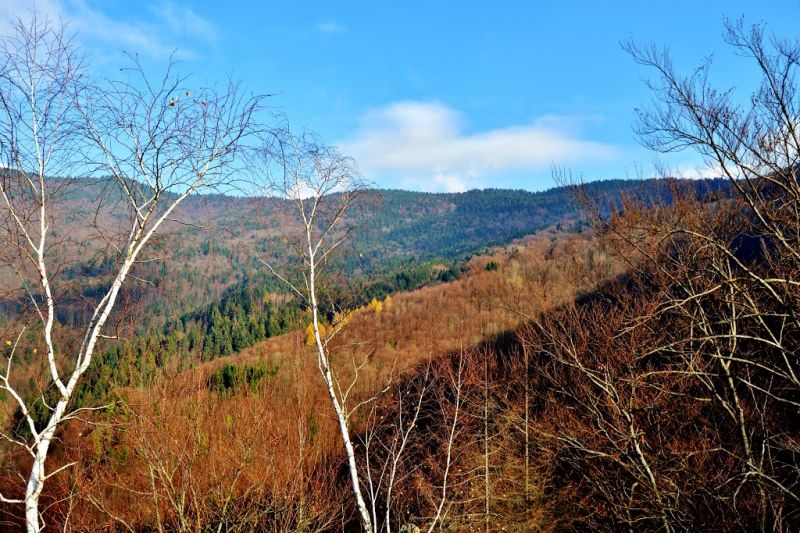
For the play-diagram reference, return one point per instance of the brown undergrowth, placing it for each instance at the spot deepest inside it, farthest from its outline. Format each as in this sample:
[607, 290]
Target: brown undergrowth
[263, 452]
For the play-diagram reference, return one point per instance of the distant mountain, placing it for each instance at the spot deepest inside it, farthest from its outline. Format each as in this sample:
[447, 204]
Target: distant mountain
[215, 246]
[204, 295]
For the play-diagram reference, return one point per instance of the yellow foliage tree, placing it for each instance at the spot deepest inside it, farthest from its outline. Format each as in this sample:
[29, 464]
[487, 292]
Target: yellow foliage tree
[323, 332]
[341, 319]
[376, 305]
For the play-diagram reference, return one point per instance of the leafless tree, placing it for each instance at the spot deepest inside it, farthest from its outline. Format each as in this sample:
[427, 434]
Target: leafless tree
[322, 185]
[456, 378]
[159, 140]
[385, 445]
[744, 311]
[701, 339]
[393, 447]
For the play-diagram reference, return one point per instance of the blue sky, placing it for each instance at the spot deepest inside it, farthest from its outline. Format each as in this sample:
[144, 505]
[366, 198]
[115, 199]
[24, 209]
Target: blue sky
[437, 96]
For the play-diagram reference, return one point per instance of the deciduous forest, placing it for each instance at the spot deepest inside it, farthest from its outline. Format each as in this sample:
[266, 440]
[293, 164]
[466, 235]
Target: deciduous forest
[212, 321]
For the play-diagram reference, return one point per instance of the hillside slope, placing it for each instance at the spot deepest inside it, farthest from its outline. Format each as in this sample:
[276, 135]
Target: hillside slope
[254, 429]
[215, 242]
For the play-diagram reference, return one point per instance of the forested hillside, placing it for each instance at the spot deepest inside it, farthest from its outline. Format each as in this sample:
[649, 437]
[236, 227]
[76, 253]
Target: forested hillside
[216, 241]
[218, 323]
[257, 307]
[266, 398]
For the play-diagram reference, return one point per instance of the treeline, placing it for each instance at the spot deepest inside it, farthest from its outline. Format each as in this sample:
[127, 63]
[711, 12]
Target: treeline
[358, 292]
[454, 224]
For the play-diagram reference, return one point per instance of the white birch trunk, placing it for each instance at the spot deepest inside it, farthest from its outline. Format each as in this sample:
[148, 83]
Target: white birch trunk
[324, 367]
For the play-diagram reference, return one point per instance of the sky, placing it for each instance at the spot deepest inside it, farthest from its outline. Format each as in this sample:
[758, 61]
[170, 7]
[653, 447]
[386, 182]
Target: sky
[439, 95]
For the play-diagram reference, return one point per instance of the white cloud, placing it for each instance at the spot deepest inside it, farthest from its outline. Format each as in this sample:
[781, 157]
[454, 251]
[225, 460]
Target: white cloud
[694, 168]
[156, 36]
[185, 22]
[423, 145]
[448, 183]
[13, 9]
[330, 27]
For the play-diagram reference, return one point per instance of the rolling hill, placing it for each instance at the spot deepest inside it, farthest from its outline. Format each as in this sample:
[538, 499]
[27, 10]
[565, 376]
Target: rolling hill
[215, 242]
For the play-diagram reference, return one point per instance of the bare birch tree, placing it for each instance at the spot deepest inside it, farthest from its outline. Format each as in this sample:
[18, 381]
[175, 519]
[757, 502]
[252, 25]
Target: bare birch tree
[393, 445]
[160, 142]
[385, 446]
[322, 184]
